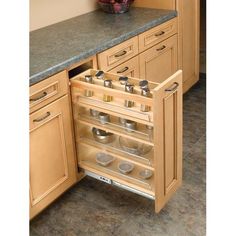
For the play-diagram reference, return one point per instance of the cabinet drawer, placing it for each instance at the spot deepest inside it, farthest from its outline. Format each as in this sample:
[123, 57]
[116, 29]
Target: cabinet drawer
[157, 34]
[118, 54]
[129, 68]
[48, 90]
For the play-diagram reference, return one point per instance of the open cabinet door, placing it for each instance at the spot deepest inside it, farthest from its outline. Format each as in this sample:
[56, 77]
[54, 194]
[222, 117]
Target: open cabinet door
[168, 138]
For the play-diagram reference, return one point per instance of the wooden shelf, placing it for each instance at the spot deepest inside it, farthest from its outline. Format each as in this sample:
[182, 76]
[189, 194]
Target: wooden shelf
[137, 160]
[88, 162]
[115, 148]
[116, 128]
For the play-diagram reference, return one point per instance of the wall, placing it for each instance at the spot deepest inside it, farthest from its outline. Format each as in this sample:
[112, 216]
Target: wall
[47, 12]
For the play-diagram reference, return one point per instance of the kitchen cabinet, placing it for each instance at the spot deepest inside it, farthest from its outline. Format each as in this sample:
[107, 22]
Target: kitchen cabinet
[188, 35]
[160, 61]
[129, 68]
[52, 157]
[159, 130]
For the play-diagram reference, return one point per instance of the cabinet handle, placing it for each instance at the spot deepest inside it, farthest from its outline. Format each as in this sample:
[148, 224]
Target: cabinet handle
[42, 118]
[173, 87]
[123, 70]
[161, 48]
[38, 98]
[120, 54]
[160, 33]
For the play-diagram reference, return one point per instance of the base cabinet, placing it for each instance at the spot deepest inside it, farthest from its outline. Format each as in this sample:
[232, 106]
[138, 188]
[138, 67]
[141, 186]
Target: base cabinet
[160, 61]
[188, 35]
[52, 159]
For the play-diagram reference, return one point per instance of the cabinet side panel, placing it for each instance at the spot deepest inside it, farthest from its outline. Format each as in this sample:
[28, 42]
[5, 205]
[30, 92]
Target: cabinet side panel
[168, 139]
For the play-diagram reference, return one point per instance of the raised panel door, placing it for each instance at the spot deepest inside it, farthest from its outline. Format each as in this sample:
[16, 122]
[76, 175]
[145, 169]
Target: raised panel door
[52, 159]
[159, 62]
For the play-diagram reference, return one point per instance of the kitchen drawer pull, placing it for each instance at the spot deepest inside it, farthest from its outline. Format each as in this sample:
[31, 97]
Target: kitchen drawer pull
[38, 98]
[162, 48]
[123, 70]
[43, 118]
[159, 34]
[120, 54]
[173, 87]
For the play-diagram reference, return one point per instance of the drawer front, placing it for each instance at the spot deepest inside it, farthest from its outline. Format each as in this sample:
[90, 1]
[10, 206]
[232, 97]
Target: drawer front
[48, 90]
[157, 34]
[118, 54]
[129, 68]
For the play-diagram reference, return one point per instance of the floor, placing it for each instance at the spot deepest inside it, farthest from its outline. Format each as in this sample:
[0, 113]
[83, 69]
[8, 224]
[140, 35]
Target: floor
[95, 208]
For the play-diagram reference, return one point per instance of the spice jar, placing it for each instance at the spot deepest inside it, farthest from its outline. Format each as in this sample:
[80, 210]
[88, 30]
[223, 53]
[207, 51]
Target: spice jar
[100, 74]
[129, 88]
[123, 80]
[88, 79]
[107, 84]
[145, 91]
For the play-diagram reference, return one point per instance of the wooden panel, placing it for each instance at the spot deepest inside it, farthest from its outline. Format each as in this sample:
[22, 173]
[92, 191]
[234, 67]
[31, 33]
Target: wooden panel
[48, 90]
[157, 34]
[118, 54]
[190, 27]
[159, 62]
[129, 68]
[168, 139]
[52, 158]
[161, 4]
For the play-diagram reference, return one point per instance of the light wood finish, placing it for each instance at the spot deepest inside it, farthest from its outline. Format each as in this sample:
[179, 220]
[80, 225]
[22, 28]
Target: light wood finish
[168, 139]
[165, 159]
[129, 68]
[160, 61]
[48, 90]
[191, 39]
[161, 4]
[188, 35]
[118, 54]
[157, 34]
[52, 157]
[88, 162]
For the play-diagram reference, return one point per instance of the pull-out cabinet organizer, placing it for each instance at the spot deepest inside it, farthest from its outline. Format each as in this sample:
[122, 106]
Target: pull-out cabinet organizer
[154, 146]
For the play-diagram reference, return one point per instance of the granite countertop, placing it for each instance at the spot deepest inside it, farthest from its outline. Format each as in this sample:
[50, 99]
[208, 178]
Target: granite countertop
[56, 47]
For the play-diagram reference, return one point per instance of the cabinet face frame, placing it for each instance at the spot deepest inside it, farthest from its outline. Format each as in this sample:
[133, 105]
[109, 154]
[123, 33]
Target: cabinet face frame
[167, 103]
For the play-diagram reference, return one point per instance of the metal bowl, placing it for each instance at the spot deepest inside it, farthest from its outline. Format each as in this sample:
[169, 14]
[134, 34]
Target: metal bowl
[125, 167]
[104, 118]
[94, 113]
[102, 136]
[130, 125]
[134, 147]
[104, 159]
[145, 174]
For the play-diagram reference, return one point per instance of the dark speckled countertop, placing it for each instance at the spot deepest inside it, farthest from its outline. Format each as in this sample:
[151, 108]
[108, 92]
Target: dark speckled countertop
[56, 47]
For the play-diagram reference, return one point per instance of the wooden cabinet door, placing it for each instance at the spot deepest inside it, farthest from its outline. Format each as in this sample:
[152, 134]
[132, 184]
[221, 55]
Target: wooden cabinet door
[160, 61]
[168, 139]
[52, 157]
[129, 68]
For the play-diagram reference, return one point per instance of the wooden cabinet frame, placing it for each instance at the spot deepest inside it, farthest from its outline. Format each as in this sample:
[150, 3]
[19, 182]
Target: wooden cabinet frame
[165, 117]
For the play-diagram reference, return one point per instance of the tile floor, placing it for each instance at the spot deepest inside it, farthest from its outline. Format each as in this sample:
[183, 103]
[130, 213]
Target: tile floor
[95, 208]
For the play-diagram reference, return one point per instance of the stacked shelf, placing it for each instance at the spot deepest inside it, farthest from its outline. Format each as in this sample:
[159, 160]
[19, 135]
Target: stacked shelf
[88, 147]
